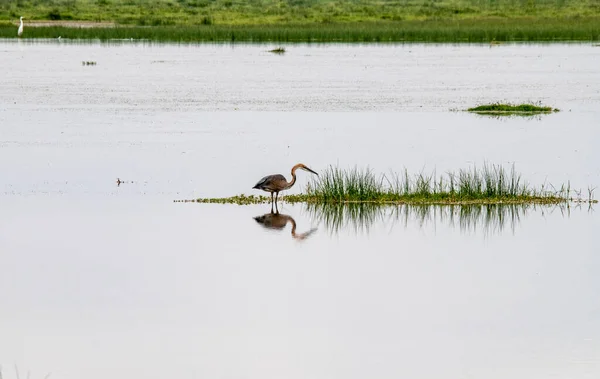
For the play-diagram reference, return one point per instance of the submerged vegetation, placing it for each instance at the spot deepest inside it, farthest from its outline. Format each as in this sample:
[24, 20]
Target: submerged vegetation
[491, 184]
[308, 20]
[510, 109]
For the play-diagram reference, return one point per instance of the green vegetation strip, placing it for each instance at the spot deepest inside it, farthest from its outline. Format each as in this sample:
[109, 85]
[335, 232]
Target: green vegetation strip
[270, 12]
[509, 109]
[469, 30]
[308, 20]
[487, 185]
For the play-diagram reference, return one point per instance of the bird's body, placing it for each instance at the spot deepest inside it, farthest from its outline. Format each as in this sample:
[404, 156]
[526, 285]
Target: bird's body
[20, 31]
[277, 182]
[273, 183]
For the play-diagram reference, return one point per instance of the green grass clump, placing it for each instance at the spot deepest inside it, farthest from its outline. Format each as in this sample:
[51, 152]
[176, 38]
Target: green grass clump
[490, 184]
[498, 108]
[279, 50]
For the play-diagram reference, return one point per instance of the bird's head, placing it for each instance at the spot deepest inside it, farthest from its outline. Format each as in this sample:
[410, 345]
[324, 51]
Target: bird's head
[303, 167]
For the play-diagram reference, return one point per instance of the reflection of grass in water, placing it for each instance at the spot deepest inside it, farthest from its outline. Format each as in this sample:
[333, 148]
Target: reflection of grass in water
[17, 373]
[510, 116]
[358, 216]
[491, 218]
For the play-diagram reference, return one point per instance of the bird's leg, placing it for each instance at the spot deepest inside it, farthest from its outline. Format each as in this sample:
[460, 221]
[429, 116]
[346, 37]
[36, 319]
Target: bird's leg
[271, 202]
[276, 197]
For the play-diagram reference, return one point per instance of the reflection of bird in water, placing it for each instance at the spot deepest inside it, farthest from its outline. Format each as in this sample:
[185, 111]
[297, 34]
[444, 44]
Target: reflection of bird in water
[276, 183]
[20, 31]
[278, 221]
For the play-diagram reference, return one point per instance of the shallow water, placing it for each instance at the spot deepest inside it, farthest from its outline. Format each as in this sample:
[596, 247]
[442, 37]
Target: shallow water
[100, 280]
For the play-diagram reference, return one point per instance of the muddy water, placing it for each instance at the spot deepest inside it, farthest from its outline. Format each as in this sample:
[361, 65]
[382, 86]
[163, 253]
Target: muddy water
[100, 280]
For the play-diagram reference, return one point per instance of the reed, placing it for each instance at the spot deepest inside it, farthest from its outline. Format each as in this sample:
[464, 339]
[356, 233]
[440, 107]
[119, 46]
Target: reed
[527, 29]
[488, 184]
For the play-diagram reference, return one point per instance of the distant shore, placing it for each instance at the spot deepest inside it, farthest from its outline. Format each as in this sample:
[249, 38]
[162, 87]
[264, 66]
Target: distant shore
[305, 20]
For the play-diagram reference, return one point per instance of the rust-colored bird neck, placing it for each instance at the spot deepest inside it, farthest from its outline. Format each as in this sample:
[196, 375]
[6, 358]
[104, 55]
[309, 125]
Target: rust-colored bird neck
[293, 181]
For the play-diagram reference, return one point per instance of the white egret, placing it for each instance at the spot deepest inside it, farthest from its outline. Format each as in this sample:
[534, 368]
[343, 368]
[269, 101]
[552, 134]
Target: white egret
[20, 31]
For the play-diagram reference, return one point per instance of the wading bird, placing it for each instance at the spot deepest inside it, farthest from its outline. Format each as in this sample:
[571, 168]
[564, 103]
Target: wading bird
[20, 31]
[276, 183]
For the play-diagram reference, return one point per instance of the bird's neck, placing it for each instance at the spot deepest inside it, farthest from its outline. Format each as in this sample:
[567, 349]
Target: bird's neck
[291, 183]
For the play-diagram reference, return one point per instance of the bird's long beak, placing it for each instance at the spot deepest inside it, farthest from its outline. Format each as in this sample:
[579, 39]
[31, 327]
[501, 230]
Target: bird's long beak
[309, 170]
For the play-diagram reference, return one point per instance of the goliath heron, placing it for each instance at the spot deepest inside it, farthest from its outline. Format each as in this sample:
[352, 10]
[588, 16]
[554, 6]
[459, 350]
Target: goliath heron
[276, 183]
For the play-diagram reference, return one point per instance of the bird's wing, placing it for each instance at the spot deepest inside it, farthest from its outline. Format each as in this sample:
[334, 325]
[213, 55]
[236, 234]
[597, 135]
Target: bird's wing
[269, 179]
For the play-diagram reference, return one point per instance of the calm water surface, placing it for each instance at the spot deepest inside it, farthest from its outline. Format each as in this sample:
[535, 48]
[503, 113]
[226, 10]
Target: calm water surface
[103, 281]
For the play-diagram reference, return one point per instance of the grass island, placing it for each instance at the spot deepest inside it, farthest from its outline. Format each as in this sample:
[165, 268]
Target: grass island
[491, 184]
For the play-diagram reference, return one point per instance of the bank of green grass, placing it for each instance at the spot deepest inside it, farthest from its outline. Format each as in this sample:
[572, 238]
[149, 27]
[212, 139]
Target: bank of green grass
[312, 20]
[490, 184]
[268, 12]
[510, 109]
[470, 30]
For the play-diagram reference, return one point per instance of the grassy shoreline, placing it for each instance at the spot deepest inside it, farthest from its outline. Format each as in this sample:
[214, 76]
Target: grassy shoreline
[487, 30]
[400, 200]
[308, 20]
[487, 185]
[288, 12]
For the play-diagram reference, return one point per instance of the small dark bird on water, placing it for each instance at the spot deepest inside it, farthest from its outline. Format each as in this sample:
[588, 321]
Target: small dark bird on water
[276, 183]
